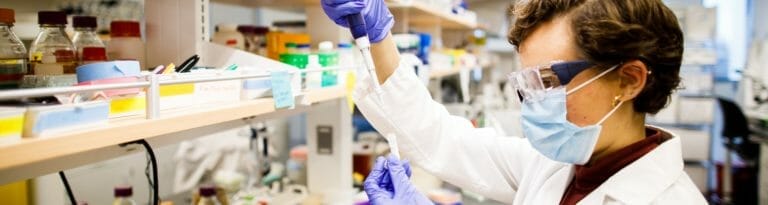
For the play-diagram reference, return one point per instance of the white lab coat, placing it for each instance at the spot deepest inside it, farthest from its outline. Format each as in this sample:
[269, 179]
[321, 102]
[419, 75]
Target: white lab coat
[508, 169]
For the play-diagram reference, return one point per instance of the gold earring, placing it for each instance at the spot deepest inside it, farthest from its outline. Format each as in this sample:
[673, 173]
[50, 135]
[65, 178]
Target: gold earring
[617, 100]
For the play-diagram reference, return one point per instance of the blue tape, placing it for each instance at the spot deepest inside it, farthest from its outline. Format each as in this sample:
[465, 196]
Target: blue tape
[107, 70]
[78, 115]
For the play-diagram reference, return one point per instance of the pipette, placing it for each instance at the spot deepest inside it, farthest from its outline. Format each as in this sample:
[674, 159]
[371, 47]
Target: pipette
[357, 27]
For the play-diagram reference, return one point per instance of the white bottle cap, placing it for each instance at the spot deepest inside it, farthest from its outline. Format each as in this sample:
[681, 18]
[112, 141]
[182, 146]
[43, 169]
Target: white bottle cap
[326, 46]
[227, 27]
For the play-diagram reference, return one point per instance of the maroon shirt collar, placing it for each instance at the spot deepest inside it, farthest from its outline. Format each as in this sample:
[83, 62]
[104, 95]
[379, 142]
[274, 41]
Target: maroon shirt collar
[588, 177]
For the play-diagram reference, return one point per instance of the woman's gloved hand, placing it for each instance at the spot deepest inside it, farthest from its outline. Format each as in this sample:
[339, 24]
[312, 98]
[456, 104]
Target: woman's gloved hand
[389, 183]
[378, 19]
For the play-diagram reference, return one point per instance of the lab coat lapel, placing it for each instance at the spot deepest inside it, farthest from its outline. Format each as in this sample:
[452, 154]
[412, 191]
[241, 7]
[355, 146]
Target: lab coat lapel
[553, 188]
[645, 179]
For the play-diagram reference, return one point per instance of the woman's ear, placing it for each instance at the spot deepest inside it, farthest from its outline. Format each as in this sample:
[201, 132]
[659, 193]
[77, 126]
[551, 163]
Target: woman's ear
[632, 77]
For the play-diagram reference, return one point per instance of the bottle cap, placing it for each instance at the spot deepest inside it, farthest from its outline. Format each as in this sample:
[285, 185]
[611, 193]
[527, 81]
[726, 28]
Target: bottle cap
[123, 191]
[94, 54]
[7, 16]
[260, 30]
[251, 29]
[226, 27]
[326, 46]
[52, 17]
[207, 191]
[84, 22]
[246, 29]
[125, 29]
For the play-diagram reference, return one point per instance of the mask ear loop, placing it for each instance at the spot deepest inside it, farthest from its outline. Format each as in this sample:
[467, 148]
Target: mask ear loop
[592, 79]
[610, 113]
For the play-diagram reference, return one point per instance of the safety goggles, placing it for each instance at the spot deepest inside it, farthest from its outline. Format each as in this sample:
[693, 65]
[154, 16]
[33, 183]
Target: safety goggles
[532, 84]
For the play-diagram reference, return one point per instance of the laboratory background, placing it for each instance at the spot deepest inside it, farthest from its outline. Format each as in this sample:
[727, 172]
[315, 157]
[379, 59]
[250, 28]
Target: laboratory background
[250, 101]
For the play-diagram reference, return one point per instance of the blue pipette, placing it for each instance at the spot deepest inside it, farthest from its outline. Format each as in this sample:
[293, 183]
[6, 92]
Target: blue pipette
[357, 27]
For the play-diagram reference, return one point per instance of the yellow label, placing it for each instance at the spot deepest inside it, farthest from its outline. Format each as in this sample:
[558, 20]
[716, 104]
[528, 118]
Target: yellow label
[11, 125]
[180, 89]
[37, 56]
[11, 61]
[125, 105]
[351, 79]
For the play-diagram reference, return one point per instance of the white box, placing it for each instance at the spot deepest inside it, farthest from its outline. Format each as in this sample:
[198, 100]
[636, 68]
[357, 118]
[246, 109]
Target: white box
[218, 92]
[696, 81]
[700, 23]
[699, 56]
[177, 95]
[696, 111]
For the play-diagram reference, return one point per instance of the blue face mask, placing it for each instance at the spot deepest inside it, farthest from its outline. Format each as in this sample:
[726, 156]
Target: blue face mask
[547, 128]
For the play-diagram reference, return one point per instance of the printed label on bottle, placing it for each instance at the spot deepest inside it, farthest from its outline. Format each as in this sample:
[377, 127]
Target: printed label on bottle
[36, 57]
[49, 69]
[11, 72]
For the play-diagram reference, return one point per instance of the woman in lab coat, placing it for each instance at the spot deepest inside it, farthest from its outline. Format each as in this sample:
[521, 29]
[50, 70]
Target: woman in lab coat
[592, 71]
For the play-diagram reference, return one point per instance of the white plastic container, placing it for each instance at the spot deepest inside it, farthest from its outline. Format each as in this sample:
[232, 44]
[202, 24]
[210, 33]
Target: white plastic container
[122, 106]
[217, 91]
[314, 79]
[41, 120]
[11, 124]
[227, 34]
[178, 95]
[125, 42]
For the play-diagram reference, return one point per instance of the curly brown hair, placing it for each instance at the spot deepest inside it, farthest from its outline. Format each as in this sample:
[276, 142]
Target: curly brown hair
[609, 32]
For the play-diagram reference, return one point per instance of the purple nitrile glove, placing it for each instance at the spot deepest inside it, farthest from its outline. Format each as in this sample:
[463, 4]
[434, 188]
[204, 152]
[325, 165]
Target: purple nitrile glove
[389, 183]
[378, 20]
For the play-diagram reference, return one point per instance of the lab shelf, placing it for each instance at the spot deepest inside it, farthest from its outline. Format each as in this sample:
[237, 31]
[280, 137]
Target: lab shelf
[422, 14]
[31, 157]
[280, 4]
[419, 13]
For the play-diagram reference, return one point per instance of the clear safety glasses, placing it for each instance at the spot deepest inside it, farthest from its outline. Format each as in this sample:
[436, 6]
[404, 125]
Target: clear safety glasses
[532, 84]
